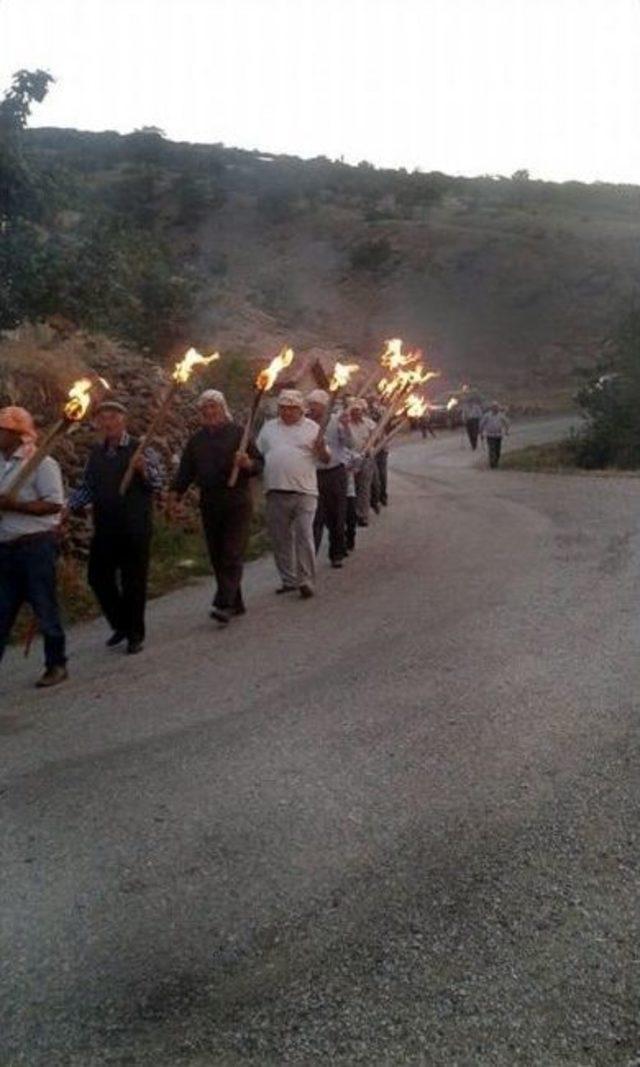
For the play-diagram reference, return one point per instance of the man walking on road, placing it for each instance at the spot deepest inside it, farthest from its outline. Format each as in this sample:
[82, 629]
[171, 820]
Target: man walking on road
[332, 479]
[472, 414]
[28, 541]
[122, 524]
[226, 511]
[361, 427]
[291, 446]
[494, 425]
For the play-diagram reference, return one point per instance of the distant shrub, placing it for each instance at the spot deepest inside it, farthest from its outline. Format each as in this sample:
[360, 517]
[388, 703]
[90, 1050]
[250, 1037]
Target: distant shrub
[374, 256]
[611, 437]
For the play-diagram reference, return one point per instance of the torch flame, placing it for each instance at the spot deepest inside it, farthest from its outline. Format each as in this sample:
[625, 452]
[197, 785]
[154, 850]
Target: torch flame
[341, 374]
[267, 377]
[79, 400]
[393, 356]
[191, 359]
[453, 403]
[415, 406]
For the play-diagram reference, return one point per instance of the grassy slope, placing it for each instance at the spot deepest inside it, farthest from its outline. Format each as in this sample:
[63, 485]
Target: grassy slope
[513, 284]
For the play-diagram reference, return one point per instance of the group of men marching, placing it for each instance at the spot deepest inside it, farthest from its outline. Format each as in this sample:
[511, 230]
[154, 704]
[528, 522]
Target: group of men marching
[317, 475]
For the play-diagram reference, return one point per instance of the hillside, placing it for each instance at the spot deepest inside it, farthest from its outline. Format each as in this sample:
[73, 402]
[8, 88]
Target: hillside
[510, 281]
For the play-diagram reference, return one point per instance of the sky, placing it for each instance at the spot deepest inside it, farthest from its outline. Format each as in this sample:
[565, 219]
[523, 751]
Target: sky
[460, 86]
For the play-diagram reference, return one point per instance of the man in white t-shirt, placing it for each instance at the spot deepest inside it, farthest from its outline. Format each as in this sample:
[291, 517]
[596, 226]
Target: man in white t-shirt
[292, 446]
[493, 426]
[29, 521]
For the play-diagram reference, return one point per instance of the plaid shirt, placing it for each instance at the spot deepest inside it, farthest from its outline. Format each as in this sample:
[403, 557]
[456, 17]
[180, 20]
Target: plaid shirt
[83, 494]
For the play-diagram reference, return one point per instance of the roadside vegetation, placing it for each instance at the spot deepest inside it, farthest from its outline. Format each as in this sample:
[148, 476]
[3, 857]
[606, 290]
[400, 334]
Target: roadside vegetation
[610, 405]
[157, 244]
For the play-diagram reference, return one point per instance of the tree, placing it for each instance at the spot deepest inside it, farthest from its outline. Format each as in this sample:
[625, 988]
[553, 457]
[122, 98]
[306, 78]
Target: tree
[19, 191]
[610, 404]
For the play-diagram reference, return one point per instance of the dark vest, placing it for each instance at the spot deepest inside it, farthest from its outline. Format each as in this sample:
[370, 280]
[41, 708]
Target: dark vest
[113, 513]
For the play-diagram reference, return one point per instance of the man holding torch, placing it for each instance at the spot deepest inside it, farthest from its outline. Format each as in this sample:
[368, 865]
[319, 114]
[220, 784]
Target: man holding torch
[29, 521]
[292, 445]
[361, 427]
[332, 478]
[122, 523]
[208, 460]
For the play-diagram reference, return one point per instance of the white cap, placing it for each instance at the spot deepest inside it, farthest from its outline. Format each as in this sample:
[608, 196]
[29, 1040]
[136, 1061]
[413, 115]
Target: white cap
[318, 396]
[290, 398]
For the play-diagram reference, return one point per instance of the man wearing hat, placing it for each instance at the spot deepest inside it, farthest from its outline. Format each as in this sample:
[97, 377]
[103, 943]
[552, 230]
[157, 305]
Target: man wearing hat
[29, 522]
[122, 524]
[332, 479]
[292, 446]
[226, 511]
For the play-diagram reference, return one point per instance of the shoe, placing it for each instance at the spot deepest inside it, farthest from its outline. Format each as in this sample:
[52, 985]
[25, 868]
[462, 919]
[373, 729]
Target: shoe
[286, 589]
[52, 676]
[385, 502]
[134, 645]
[375, 508]
[239, 610]
[362, 522]
[306, 591]
[117, 637]
[336, 563]
[222, 615]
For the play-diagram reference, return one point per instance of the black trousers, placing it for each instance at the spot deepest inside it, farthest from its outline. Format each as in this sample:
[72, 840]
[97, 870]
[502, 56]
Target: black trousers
[473, 427]
[494, 445]
[352, 523]
[332, 511]
[226, 521]
[118, 572]
[381, 463]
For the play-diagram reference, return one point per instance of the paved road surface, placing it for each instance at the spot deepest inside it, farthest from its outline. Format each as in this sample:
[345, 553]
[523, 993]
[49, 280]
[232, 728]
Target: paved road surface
[395, 825]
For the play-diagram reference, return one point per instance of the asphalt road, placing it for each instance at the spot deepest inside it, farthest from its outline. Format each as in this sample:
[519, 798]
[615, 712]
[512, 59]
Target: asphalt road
[397, 824]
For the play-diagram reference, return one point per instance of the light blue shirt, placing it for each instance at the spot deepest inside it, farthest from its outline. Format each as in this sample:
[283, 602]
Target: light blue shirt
[45, 483]
[339, 441]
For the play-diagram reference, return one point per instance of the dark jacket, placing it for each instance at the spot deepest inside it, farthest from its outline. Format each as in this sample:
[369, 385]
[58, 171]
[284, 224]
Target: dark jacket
[128, 514]
[207, 461]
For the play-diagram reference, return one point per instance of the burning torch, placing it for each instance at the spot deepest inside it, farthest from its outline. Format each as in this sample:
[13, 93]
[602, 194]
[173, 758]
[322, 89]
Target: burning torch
[73, 412]
[342, 372]
[265, 381]
[395, 392]
[181, 374]
[414, 408]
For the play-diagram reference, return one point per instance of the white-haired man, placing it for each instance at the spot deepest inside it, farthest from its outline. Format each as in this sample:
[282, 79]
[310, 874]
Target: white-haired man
[332, 478]
[291, 446]
[226, 511]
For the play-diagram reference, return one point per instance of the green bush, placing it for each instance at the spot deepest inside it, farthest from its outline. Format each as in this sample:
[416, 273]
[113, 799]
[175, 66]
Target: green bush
[611, 405]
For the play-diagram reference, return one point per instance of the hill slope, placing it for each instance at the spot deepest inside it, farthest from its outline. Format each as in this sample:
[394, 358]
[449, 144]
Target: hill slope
[511, 280]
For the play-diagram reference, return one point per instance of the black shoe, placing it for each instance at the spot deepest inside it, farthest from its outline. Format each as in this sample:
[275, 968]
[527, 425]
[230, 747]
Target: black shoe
[376, 508]
[52, 676]
[384, 502]
[134, 645]
[239, 610]
[337, 563]
[222, 615]
[362, 522]
[306, 592]
[117, 637]
[286, 589]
